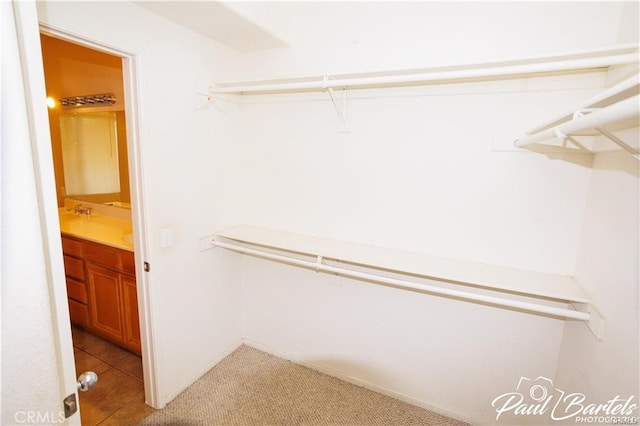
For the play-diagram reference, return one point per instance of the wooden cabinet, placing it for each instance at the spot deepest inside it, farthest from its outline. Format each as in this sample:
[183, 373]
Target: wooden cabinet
[101, 287]
[76, 285]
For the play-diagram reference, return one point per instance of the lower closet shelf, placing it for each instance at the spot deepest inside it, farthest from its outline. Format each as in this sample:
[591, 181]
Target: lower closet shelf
[473, 281]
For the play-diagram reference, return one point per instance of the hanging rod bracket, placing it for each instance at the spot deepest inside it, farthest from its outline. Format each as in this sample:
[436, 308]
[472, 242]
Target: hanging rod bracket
[584, 111]
[596, 321]
[559, 134]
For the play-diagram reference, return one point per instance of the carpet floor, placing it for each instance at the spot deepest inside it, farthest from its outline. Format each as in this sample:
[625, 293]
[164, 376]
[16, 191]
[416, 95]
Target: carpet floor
[252, 388]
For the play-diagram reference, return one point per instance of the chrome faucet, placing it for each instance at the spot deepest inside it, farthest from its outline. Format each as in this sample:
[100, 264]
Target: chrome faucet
[80, 209]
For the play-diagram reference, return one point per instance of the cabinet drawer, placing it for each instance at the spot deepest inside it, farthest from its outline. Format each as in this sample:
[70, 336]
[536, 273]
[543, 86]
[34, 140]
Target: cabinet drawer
[74, 267]
[71, 247]
[77, 290]
[79, 313]
[102, 255]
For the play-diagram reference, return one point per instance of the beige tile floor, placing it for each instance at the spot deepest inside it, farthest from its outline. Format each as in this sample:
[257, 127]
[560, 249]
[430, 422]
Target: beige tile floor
[118, 398]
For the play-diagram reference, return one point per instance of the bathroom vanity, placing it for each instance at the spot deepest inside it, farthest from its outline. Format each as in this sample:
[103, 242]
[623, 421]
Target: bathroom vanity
[100, 275]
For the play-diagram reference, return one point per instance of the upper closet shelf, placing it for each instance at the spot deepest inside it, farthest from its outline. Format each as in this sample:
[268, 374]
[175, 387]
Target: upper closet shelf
[466, 280]
[616, 108]
[581, 61]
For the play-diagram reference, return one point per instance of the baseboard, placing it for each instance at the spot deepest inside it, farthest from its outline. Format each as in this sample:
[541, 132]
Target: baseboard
[222, 355]
[356, 381]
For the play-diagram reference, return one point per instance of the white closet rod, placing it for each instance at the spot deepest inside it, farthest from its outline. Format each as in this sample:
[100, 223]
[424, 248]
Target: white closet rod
[319, 266]
[628, 85]
[620, 111]
[614, 90]
[436, 76]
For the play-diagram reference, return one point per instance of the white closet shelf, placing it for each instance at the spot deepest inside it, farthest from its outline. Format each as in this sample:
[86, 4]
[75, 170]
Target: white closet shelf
[457, 278]
[616, 108]
[599, 59]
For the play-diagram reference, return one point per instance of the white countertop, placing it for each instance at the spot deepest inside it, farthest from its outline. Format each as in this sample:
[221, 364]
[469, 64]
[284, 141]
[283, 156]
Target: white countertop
[99, 228]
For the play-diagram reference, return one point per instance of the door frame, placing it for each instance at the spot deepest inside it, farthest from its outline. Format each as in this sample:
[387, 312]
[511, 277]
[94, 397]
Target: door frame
[130, 65]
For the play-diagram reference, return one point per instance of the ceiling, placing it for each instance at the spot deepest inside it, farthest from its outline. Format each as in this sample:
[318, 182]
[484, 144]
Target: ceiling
[216, 21]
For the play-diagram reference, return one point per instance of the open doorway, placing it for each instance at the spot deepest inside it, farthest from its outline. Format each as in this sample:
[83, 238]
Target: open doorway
[86, 97]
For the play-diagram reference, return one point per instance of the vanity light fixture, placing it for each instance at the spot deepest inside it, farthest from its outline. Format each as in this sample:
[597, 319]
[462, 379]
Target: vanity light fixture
[104, 99]
[51, 103]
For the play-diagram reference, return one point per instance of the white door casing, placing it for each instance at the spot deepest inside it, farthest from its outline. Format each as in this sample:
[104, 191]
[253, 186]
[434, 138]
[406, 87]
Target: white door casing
[59, 28]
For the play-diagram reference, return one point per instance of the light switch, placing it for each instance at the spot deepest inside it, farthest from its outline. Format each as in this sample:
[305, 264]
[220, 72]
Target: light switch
[166, 237]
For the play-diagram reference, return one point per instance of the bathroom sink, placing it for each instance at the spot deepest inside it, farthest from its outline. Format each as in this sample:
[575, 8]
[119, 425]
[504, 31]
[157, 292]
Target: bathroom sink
[101, 228]
[68, 216]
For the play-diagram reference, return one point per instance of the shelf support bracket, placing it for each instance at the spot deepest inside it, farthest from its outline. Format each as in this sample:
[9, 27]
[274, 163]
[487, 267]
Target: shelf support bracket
[340, 106]
[340, 109]
[613, 138]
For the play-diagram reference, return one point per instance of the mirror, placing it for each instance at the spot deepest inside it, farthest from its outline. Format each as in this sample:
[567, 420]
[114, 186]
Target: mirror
[94, 157]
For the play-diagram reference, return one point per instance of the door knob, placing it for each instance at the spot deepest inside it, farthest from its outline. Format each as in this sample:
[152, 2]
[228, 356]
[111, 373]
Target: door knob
[87, 380]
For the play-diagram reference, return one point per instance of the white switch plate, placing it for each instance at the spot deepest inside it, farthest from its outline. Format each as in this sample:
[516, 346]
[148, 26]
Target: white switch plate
[206, 243]
[166, 237]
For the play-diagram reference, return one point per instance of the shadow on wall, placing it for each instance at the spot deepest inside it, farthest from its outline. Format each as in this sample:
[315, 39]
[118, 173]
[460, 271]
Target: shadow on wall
[620, 161]
[617, 160]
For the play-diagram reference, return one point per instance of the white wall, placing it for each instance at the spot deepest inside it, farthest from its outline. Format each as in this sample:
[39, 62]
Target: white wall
[416, 173]
[419, 171]
[341, 37]
[193, 301]
[608, 270]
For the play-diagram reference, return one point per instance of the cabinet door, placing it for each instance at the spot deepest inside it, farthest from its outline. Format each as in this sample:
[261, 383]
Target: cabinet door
[104, 299]
[130, 313]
